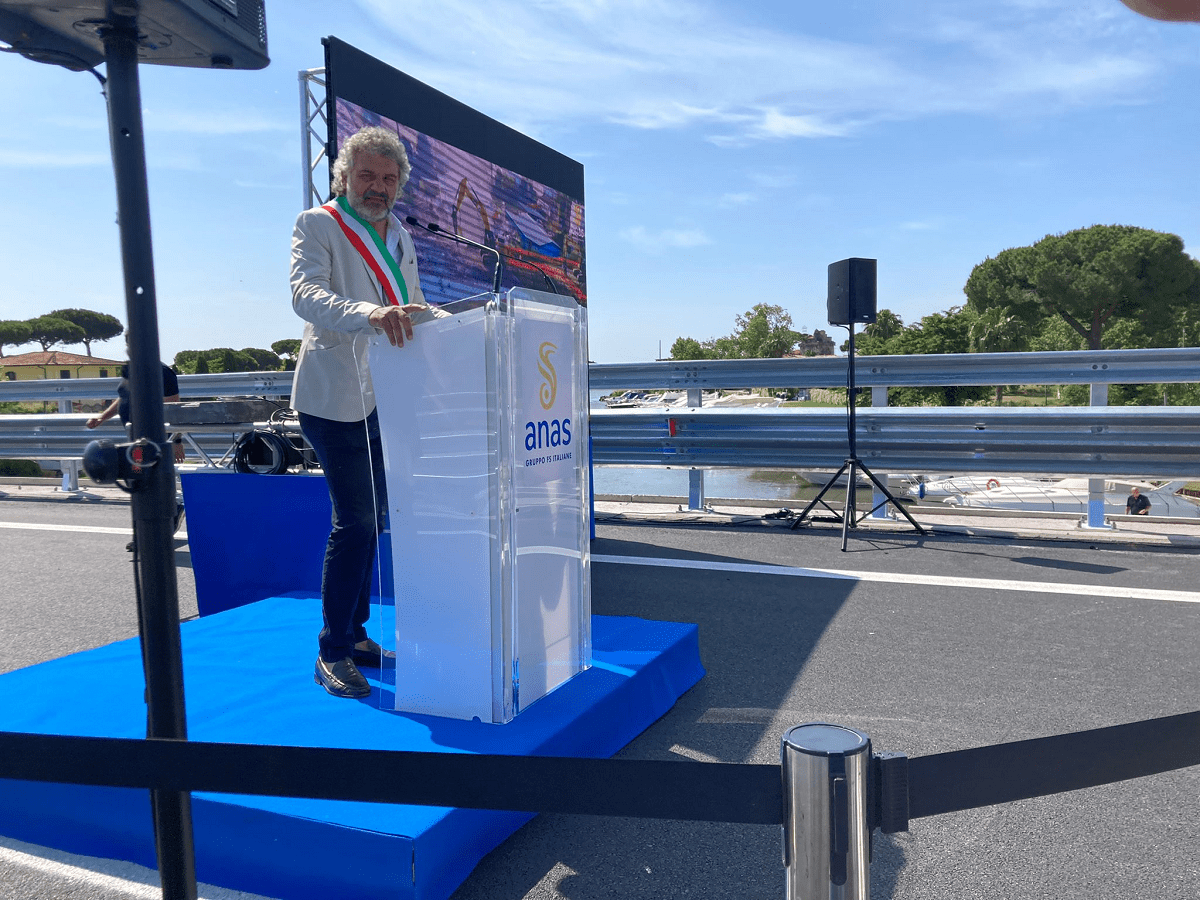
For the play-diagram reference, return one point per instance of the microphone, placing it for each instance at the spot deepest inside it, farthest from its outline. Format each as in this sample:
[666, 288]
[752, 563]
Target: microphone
[435, 228]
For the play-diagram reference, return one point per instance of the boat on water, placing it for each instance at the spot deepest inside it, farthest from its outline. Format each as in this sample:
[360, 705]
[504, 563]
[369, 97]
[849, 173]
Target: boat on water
[743, 400]
[678, 399]
[1071, 495]
[940, 487]
[625, 400]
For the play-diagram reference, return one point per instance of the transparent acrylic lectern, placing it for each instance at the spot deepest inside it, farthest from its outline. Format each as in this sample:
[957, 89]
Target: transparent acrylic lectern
[484, 416]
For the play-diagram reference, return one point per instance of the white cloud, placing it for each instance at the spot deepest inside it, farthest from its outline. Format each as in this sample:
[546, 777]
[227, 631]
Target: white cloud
[740, 198]
[772, 124]
[657, 64]
[212, 122]
[772, 180]
[672, 238]
[263, 185]
[57, 159]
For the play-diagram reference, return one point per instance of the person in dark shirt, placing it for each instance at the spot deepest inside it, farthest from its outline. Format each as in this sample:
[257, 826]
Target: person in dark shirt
[1136, 504]
[122, 407]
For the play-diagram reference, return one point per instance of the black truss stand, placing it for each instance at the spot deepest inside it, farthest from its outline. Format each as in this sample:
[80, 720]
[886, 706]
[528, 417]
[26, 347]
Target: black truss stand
[850, 468]
[153, 503]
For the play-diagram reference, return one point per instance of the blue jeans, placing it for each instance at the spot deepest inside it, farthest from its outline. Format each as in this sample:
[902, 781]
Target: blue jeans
[351, 454]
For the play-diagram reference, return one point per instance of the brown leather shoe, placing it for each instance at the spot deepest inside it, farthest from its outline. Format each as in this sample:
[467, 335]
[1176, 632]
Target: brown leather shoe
[341, 678]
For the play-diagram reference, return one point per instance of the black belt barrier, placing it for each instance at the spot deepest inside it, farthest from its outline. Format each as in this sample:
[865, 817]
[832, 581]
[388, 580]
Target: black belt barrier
[684, 790]
[657, 789]
[1003, 773]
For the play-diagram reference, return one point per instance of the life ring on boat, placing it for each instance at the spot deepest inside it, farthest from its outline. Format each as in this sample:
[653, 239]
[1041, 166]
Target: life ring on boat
[992, 483]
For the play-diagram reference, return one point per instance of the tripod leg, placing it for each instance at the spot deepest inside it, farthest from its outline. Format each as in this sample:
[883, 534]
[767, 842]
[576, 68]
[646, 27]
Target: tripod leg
[890, 499]
[849, 512]
[817, 499]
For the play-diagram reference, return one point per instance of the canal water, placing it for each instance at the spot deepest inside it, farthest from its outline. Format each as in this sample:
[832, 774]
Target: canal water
[740, 484]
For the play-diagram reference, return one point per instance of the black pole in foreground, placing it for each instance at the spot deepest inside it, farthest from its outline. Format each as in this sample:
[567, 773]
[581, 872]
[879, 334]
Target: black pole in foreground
[154, 503]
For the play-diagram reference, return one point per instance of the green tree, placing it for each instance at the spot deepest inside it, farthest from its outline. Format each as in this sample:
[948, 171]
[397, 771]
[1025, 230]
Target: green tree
[264, 360]
[683, 348]
[219, 359]
[51, 330]
[225, 359]
[1123, 334]
[287, 350]
[944, 332]
[763, 332]
[1056, 334]
[185, 361]
[872, 340]
[1092, 277]
[947, 332]
[97, 326]
[996, 330]
[14, 333]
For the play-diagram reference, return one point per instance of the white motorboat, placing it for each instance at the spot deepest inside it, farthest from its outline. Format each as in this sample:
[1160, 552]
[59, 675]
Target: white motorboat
[742, 400]
[1071, 495]
[625, 400]
[645, 400]
[678, 399]
[939, 487]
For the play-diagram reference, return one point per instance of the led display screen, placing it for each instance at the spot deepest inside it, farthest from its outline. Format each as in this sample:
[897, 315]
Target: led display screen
[471, 176]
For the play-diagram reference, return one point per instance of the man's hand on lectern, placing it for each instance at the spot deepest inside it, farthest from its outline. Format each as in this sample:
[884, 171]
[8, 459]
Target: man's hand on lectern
[394, 321]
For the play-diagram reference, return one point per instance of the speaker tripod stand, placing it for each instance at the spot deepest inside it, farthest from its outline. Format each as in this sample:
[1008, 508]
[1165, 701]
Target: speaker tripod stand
[850, 468]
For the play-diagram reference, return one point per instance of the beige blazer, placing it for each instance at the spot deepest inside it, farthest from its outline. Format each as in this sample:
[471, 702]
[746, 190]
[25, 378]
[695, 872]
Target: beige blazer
[334, 291]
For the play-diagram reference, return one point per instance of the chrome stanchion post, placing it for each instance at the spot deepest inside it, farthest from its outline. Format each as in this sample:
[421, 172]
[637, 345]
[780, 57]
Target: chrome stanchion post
[825, 832]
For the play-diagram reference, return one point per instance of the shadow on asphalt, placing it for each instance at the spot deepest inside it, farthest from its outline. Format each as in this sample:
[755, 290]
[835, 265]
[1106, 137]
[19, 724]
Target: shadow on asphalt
[1069, 564]
[732, 715]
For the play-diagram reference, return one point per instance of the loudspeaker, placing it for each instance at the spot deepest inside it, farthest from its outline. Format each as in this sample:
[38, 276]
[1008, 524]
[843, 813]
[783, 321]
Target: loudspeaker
[204, 34]
[851, 291]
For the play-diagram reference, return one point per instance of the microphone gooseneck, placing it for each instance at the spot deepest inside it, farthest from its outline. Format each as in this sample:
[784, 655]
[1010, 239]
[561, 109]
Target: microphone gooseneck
[435, 228]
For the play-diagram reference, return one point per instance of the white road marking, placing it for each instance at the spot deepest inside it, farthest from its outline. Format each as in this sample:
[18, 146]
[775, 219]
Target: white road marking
[989, 584]
[79, 529]
[105, 877]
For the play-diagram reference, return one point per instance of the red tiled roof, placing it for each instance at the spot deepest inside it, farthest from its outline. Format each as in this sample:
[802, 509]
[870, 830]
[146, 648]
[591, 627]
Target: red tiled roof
[57, 358]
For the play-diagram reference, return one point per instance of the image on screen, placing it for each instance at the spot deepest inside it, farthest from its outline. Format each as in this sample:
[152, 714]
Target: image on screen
[537, 229]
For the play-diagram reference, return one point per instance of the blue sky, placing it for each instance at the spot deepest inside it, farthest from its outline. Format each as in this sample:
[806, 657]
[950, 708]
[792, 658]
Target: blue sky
[731, 150]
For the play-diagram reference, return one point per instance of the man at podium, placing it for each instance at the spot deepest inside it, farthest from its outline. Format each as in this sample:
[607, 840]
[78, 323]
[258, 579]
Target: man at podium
[353, 275]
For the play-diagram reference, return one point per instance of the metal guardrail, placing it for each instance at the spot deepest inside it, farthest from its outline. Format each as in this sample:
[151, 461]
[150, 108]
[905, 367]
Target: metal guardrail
[63, 436]
[1169, 366]
[1096, 440]
[1159, 442]
[191, 387]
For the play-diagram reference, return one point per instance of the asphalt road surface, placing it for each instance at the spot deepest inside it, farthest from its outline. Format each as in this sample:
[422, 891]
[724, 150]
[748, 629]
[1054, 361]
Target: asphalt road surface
[926, 644]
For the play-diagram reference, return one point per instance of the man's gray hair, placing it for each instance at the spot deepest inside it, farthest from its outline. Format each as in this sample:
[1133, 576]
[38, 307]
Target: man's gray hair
[371, 139]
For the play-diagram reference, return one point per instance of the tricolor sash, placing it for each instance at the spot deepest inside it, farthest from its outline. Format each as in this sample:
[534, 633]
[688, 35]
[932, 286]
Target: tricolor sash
[371, 248]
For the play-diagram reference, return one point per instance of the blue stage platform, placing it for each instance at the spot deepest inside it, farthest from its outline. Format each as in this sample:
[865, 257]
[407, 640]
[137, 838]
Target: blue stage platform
[248, 675]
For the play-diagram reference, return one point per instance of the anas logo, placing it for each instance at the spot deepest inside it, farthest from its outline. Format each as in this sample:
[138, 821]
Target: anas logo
[553, 435]
[549, 389]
